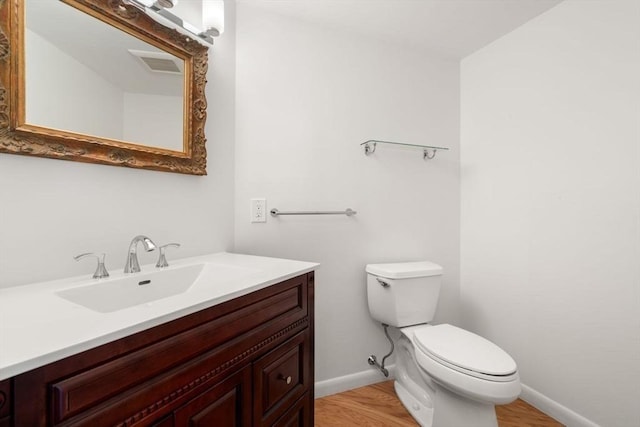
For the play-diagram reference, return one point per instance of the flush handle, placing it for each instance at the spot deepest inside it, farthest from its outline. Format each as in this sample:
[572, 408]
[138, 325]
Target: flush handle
[382, 283]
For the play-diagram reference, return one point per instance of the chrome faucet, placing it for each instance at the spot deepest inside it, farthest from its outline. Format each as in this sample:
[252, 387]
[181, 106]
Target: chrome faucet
[132, 265]
[101, 270]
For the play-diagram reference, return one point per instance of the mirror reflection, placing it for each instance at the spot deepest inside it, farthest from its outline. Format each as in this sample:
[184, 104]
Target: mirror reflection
[87, 77]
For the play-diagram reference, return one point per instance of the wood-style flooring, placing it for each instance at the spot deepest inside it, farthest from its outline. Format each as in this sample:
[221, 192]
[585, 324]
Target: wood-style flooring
[377, 406]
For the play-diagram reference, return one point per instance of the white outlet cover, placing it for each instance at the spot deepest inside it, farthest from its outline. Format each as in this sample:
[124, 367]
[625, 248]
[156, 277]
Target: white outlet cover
[259, 210]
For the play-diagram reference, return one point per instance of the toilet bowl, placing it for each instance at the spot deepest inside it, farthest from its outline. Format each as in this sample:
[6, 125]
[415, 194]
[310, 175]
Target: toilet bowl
[445, 376]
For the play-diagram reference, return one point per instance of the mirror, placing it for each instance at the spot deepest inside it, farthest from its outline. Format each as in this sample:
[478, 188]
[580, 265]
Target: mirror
[99, 81]
[137, 86]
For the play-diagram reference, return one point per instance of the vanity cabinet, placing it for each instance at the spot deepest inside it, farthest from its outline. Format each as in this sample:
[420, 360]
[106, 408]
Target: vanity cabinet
[245, 362]
[5, 404]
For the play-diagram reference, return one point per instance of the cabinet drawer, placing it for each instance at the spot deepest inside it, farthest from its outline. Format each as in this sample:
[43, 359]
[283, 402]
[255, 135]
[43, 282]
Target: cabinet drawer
[280, 378]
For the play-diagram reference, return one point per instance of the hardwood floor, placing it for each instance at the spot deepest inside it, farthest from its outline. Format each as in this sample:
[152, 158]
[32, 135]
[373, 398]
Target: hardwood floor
[377, 406]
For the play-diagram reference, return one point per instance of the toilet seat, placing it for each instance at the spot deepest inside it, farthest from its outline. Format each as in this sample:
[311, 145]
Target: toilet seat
[465, 352]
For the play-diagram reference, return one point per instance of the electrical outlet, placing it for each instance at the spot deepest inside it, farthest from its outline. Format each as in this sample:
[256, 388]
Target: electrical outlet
[258, 210]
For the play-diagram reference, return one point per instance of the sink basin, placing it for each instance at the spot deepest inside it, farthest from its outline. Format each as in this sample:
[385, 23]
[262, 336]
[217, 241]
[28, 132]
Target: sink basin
[115, 294]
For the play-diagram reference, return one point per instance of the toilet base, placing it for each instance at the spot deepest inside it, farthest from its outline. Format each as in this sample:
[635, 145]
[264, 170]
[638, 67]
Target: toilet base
[430, 403]
[454, 410]
[422, 414]
[451, 411]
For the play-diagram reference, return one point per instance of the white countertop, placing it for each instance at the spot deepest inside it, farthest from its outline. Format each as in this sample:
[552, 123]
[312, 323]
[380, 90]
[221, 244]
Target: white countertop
[38, 327]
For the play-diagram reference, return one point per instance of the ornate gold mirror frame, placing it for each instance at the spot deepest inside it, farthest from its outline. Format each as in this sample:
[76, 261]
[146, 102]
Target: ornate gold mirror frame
[18, 137]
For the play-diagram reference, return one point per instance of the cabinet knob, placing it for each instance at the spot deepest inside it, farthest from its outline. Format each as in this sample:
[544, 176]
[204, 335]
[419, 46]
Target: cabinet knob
[285, 379]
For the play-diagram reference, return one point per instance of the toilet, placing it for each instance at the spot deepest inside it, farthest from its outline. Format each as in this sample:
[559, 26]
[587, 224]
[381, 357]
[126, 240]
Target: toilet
[445, 376]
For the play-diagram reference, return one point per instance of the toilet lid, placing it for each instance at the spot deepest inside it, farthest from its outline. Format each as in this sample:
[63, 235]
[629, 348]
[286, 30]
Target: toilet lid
[464, 351]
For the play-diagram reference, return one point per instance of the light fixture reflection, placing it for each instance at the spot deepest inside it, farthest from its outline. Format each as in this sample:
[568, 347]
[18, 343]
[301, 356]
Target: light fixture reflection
[212, 18]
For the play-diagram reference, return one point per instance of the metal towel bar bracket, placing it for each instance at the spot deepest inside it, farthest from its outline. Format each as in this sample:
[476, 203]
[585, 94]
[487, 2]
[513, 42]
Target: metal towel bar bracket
[347, 212]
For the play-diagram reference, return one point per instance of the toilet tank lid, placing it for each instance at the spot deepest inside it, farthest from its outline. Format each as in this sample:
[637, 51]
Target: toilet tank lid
[404, 270]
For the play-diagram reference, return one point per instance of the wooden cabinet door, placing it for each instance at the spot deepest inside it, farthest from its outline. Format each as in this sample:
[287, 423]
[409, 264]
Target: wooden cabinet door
[297, 415]
[5, 404]
[280, 378]
[226, 404]
[165, 422]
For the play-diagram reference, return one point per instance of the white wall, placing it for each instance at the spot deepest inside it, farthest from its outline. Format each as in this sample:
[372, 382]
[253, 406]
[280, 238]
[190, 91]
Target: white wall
[306, 99]
[65, 94]
[51, 210]
[550, 224]
[153, 119]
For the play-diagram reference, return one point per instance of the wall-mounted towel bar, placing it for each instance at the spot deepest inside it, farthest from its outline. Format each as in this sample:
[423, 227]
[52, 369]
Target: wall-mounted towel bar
[347, 212]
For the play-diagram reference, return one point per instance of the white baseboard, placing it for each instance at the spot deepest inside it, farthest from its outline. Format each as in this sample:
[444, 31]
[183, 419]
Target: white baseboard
[351, 381]
[555, 410]
[372, 376]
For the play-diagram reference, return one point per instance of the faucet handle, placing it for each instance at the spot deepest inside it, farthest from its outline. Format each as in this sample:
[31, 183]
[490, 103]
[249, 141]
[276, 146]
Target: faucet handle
[162, 259]
[101, 270]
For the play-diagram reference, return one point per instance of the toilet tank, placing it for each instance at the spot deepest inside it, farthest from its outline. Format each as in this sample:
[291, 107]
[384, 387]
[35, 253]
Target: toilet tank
[403, 294]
